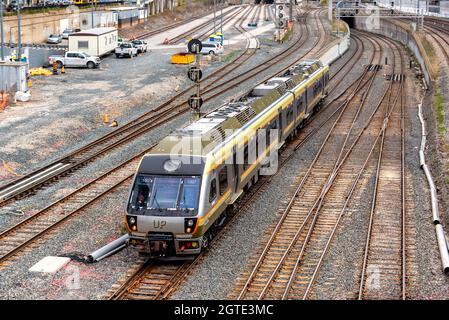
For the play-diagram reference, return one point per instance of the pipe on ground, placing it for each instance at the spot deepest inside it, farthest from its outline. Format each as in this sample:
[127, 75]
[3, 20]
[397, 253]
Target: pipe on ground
[109, 249]
[441, 237]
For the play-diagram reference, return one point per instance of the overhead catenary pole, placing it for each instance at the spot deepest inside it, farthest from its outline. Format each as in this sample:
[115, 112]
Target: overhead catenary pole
[221, 17]
[215, 7]
[291, 10]
[92, 13]
[19, 42]
[2, 48]
[2, 38]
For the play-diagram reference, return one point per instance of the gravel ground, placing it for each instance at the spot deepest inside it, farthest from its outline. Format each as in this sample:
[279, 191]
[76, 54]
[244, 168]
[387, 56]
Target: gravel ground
[101, 222]
[339, 276]
[30, 205]
[248, 229]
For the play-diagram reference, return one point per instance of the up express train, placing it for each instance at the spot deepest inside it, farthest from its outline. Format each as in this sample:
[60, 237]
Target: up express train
[183, 187]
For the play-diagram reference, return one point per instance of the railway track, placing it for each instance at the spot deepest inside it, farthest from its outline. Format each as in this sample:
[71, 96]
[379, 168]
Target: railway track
[199, 33]
[148, 121]
[30, 231]
[143, 281]
[289, 263]
[385, 252]
[171, 26]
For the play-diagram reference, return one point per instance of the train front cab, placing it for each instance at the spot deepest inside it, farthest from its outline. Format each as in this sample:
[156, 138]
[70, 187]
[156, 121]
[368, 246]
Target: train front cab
[163, 207]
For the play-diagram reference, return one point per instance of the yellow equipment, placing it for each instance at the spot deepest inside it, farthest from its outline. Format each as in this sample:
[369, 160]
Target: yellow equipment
[40, 72]
[182, 58]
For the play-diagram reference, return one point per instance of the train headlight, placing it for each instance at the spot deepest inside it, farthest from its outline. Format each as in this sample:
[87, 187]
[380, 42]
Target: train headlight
[132, 222]
[172, 165]
[189, 224]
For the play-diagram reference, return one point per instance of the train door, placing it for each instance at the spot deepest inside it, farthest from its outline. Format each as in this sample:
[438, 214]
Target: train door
[235, 170]
[306, 101]
[281, 124]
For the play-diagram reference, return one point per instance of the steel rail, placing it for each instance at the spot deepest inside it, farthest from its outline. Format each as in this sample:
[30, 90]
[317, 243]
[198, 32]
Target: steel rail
[140, 124]
[368, 240]
[319, 201]
[72, 213]
[298, 189]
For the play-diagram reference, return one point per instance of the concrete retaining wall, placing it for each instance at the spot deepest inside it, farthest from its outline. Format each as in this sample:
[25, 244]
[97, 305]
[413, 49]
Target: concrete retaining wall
[337, 48]
[396, 32]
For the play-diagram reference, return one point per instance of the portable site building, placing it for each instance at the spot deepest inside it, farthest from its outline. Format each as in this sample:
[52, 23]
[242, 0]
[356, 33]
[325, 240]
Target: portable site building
[96, 42]
[129, 16]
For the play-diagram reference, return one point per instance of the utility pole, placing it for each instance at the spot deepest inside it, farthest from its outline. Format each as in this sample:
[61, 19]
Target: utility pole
[2, 47]
[2, 39]
[221, 17]
[215, 3]
[329, 13]
[92, 13]
[291, 10]
[19, 42]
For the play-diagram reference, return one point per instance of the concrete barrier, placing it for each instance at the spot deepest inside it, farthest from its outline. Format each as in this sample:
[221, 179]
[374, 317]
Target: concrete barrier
[336, 48]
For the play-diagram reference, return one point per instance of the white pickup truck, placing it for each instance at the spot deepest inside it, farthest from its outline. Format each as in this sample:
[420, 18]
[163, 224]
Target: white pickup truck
[141, 46]
[75, 59]
[126, 49]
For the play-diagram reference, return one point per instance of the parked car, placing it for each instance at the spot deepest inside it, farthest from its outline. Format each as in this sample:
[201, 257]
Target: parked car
[51, 3]
[126, 49]
[54, 38]
[75, 59]
[65, 34]
[141, 45]
[210, 48]
[13, 5]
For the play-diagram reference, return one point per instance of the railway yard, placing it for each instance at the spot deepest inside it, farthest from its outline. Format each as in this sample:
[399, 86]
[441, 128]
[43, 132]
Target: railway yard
[347, 215]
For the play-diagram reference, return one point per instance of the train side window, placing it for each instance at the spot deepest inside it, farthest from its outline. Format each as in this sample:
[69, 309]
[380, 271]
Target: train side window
[213, 190]
[223, 180]
[290, 115]
[245, 158]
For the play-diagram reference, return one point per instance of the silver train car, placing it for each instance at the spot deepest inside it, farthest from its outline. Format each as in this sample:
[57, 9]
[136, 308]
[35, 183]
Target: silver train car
[185, 185]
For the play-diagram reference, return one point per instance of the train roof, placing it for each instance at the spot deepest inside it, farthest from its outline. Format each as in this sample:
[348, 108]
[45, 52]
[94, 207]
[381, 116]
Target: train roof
[202, 136]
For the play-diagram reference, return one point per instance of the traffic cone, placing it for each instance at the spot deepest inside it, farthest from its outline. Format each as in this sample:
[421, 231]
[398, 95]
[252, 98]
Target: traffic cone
[114, 123]
[105, 119]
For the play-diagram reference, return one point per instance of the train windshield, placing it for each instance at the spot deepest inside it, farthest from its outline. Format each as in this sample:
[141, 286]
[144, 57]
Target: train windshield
[160, 193]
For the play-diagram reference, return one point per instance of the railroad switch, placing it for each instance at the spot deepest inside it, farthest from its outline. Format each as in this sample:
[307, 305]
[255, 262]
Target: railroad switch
[374, 67]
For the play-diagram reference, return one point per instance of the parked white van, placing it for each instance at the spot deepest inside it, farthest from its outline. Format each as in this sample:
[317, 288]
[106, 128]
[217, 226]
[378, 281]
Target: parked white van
[212, 48]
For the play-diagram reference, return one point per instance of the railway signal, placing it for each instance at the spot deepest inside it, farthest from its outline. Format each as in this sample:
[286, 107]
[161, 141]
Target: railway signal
[195, 102]
[195, 46]
[195, 74]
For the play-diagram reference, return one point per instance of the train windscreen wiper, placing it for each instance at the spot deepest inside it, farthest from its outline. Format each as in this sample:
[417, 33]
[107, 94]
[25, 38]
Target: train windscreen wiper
[157, 203]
